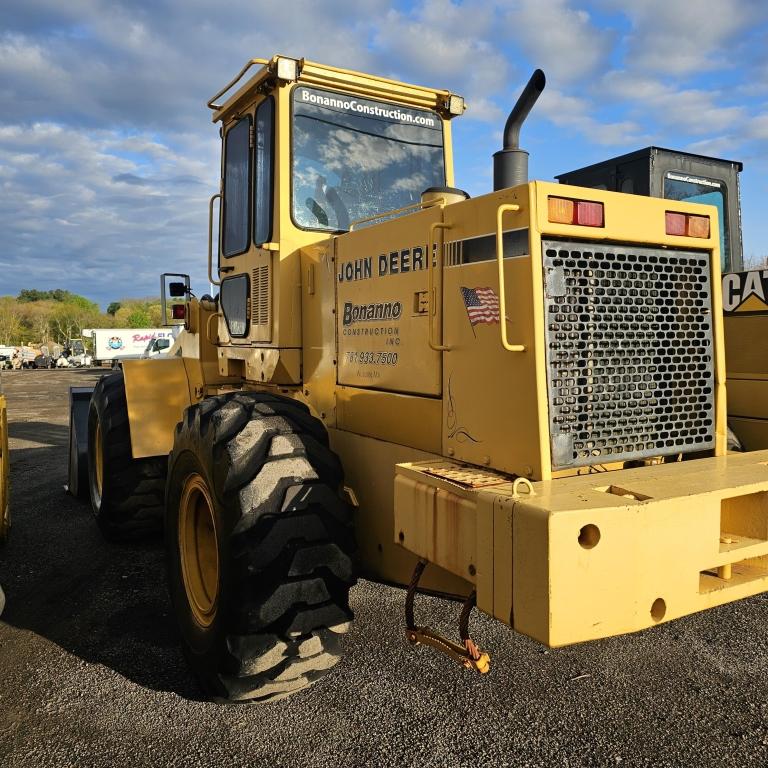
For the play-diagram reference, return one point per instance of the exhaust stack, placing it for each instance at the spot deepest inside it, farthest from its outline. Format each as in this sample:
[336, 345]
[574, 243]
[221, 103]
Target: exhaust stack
[510, 164]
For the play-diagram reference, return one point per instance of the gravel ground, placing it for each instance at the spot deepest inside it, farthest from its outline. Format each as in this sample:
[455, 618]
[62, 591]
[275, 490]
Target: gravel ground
[91, 674]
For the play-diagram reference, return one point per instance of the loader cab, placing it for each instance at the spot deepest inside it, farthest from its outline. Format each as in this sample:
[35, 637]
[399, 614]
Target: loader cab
[309, 152]
[674, 175]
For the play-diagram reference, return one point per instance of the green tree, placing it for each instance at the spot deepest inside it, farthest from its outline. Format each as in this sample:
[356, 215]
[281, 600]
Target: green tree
[59, 295]
[31, 294]
[139, 318]
[113, 307]
[10, 321]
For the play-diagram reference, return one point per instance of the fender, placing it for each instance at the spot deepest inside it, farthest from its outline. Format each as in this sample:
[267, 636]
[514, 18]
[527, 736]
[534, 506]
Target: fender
[157, 392]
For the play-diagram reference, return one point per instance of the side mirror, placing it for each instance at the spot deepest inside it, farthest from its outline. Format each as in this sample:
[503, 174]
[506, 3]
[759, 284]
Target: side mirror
[174, 289]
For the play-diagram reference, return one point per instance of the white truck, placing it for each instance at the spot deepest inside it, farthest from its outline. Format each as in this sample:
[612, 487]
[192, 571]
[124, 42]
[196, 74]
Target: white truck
[6, 356]
[116, 344]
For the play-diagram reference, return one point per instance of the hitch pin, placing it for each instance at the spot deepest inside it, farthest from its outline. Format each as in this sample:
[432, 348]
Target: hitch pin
[725, 571]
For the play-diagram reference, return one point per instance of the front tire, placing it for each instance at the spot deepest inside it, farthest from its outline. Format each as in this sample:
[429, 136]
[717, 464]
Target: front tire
[260, 546]
[127, 494]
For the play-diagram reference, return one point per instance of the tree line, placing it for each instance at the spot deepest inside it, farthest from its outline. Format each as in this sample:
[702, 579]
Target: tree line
[44, 317]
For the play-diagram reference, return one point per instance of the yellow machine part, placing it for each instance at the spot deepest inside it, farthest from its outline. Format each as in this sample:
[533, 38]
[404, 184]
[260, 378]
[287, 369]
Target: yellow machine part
[745, 298]
[5, 511]
[581, 558]
[157, 392]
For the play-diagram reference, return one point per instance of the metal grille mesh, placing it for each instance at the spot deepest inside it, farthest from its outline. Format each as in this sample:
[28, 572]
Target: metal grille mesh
[630, 360]
[260, 302]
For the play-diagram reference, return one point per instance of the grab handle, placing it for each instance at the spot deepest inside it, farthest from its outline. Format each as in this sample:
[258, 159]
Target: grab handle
[210, 238]
[507, 207]
[432, 298]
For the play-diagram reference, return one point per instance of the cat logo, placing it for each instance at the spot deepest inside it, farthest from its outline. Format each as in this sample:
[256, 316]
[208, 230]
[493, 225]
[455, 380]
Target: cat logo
[746, 292]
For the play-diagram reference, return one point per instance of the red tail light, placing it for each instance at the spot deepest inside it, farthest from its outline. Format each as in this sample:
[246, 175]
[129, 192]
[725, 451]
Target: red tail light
[178, 311]
[675, 223]
[589, 214]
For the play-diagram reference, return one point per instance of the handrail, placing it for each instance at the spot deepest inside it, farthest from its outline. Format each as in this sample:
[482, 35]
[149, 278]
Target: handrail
[250, 63]
[502, 209]
[210, 239]
[430, 272]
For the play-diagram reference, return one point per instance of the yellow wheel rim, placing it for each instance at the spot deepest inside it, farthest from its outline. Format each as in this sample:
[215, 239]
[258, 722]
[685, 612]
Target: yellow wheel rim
[199, 549]
[99, 459]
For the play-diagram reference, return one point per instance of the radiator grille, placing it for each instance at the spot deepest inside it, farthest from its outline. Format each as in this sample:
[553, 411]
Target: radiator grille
[630, 358]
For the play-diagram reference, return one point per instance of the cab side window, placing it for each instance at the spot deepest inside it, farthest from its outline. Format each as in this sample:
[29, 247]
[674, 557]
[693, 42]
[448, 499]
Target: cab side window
[262, 182]
[237, 174]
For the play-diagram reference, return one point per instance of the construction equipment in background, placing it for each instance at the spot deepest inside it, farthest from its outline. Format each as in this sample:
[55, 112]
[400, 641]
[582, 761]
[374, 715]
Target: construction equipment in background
[76, 354]
[676, 175]
[524, 390]
[7, 355]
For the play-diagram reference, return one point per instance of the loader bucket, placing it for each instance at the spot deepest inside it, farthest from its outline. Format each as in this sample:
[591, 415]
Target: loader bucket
[79, 403]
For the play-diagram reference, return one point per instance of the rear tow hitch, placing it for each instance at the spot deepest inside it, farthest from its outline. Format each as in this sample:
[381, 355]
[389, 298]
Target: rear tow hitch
[468, 654]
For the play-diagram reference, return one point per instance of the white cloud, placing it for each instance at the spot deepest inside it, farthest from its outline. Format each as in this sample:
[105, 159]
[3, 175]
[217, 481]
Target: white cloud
[757, 127]
[107, 153]
[68, 217]
[717, 146]
[680, 37]
[576, 113]
[691, 110]
[558, 37]
[447, 45]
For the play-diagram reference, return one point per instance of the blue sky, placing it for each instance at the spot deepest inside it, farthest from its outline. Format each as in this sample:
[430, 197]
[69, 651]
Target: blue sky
[108, 155]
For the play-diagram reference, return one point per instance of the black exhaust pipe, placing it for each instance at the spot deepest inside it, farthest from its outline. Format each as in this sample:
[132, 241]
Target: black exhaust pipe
[510, 165]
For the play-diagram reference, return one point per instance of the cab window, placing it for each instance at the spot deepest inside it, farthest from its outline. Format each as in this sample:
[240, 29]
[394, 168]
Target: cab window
[262, 181]
[354, 158]
[237, 173]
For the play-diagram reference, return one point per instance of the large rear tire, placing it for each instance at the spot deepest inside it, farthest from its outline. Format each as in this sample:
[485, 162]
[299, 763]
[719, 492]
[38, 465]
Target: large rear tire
[260, 546]
[127, 494]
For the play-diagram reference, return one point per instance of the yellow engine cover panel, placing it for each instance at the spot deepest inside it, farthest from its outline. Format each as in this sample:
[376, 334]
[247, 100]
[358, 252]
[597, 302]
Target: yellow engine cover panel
[382, 315]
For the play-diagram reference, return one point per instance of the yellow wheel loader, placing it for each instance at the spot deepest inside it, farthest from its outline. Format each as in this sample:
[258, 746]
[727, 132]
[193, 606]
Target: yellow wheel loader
[676, 175]
[516, 399]
[5, 511]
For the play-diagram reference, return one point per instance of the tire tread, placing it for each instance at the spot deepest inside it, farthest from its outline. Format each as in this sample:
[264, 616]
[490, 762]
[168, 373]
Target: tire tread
[292, 546]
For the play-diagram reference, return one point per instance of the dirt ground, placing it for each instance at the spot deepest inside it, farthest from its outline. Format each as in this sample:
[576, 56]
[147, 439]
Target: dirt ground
[91, 673]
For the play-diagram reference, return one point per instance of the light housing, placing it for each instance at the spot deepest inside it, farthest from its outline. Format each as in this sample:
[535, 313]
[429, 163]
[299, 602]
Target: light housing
[686, 224]
[698, 226]
[456, 105]
[287, 69]
[584, 213]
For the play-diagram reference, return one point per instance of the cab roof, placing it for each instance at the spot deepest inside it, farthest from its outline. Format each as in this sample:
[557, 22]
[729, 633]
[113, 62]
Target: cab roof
[268, 75]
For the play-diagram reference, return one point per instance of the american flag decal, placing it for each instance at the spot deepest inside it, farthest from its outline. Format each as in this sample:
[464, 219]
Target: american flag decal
[482, 305]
